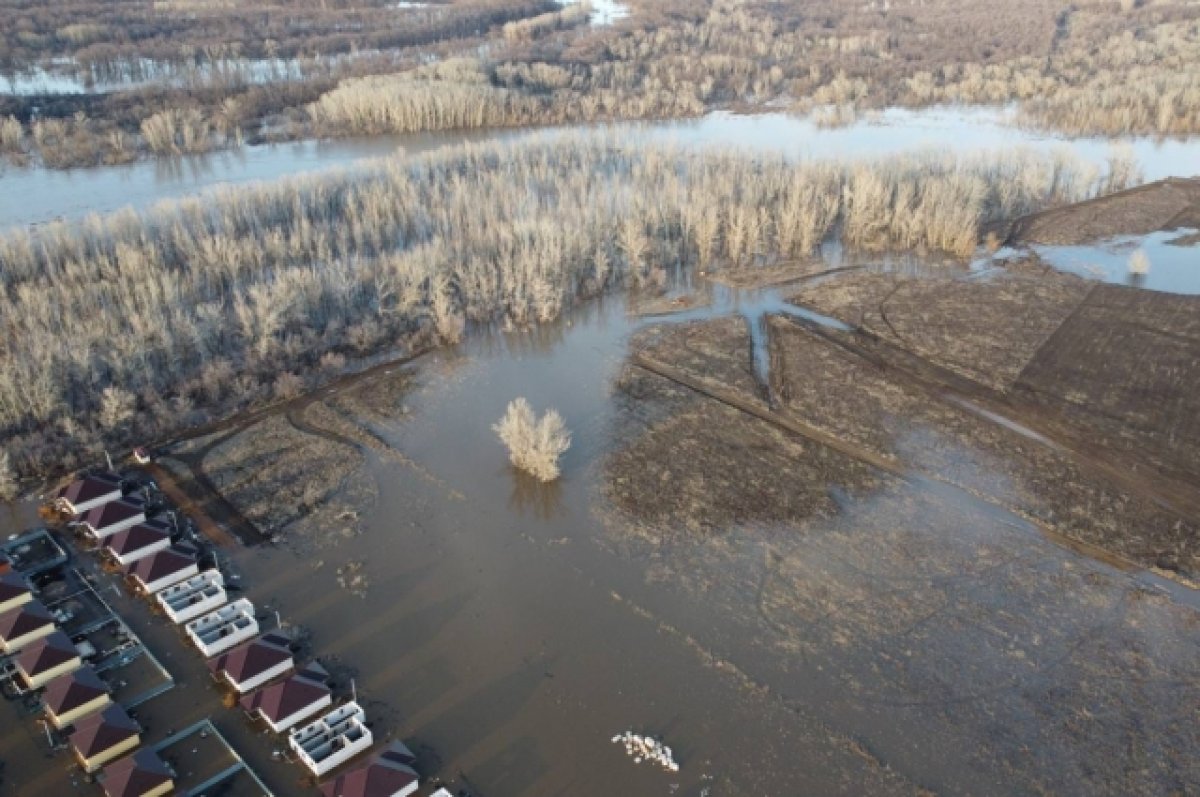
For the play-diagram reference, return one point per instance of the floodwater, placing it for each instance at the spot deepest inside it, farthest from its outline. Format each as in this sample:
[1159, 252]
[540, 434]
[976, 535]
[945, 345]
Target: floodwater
[604, 12]
[917, 638]
[36, 196]
[66, 77]
[1172, 260]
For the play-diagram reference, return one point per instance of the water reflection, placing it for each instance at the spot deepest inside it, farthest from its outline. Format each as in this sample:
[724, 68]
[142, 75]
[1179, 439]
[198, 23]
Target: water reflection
[48, 194]
[1170, 265]
[530, 496]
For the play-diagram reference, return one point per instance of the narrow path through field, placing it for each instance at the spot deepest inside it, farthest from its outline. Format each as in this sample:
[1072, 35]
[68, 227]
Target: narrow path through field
[197, 508]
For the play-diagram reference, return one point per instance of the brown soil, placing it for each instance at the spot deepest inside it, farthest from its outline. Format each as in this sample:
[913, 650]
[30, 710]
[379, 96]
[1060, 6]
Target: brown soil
[985, 329]
[717, 352]
[288, 480]
[699, 465]
[1126, 367]
[1071, 406]
[1162, 205]
[1045, 475]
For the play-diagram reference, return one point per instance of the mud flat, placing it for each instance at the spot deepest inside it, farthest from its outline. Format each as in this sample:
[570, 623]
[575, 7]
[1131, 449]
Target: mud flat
[1126, 367]
[289, 475]
[1083, 394]
[1163, 205]
[985, 327]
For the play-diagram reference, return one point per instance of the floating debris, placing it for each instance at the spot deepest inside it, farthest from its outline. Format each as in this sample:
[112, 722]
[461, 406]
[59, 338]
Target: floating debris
[645, 748]
[352, 577]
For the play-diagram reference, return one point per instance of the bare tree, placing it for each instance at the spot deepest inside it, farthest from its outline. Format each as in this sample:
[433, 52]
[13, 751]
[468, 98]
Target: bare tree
[116, 407]
[534, 445]
[8, 479]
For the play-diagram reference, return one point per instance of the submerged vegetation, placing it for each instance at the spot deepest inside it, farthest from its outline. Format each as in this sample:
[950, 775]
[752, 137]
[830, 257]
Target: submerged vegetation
[195, 308]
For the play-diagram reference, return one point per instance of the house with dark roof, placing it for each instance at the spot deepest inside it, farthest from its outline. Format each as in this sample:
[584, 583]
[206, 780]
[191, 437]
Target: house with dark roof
[162, 569]
[89, 492]
[104, 737]
[142, 774]
[23, 625]
[289, 702]
[14, 591]
[101, 522]
[71, 697]
[254, 663]
[390, 774]
[46, 659]
[138, 542]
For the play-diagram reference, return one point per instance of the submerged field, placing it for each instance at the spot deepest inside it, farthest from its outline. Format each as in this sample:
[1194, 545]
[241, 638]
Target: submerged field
[846, 534]
[845, 512]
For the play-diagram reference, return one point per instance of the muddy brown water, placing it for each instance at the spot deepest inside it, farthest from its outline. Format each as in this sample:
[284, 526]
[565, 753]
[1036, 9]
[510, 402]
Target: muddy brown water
[917, 639]
[920, 638]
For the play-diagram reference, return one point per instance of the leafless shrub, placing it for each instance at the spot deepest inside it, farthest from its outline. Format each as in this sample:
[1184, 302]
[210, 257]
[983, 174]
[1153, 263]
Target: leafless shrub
[8, 479]
[11, 134]
[287, 386]
[534, 445]
[116, 407]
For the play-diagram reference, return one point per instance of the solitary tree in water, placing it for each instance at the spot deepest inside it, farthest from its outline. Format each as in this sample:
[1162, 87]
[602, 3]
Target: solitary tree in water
[533, 445]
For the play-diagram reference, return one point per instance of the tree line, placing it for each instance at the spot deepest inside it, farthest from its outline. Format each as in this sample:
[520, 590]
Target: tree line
[131, 326]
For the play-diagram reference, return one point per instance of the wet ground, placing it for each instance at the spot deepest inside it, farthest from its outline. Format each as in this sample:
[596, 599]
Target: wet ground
[834, 623]
[889, 635]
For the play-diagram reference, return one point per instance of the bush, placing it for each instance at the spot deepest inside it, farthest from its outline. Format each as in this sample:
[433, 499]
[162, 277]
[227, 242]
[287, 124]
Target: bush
[533, 445]
[8, 481]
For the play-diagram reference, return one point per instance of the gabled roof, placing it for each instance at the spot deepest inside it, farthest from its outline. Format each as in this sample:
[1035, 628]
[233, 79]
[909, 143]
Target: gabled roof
[68, 692]
[105, 515]
[90, 487]
[387, 775]
[26, 618]
[12, 585]
[282, 700]
[253, 658]
[47, 653]
[136, 775]
[143, 535]
[161, 564]
[103, 731]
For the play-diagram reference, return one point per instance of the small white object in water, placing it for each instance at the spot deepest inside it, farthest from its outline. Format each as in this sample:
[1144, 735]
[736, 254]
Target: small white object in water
[646, 748]
[1139, 263]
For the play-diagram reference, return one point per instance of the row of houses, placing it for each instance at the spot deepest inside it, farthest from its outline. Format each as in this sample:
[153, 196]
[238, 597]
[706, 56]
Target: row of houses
[258, 667]
[76, 701]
